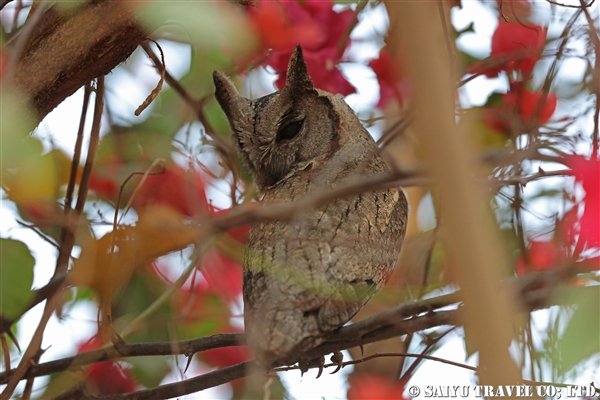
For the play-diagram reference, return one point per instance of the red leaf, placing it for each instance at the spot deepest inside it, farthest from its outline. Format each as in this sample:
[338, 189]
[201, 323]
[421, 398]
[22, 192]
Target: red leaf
[524, 103]
[321, 67]
[226, 356]
[239, 234]
[183, 190]
[272, 25]
[106, 377]
[542, 256]
[389, 74]
[191, 303]
[224, 276]
[4, 61]
[587, 173]
[527, 103]
[371, 386]
[517, 46]
[109, 378]
[314, 25]
[103, 186]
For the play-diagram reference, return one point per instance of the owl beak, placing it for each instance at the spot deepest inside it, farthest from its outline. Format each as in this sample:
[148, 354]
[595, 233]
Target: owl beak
[235, 106]
[298, 80]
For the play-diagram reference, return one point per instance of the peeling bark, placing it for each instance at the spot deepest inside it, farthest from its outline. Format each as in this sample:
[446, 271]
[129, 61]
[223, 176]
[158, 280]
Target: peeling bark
[69, 47]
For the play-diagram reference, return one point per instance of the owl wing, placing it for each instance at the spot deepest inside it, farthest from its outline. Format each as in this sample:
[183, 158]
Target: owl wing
[307, 277]
[360, 238]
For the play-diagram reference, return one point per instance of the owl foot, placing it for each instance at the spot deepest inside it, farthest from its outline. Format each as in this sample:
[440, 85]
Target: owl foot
[316, 362]
[337, 358]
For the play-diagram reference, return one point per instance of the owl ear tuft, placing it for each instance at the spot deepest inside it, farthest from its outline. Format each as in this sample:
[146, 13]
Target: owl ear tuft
[298, 79]
[233, 104]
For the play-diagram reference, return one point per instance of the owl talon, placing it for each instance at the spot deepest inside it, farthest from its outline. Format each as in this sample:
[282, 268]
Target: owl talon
[303, 366]
[320, 371]
[337, 358]
[316, 362]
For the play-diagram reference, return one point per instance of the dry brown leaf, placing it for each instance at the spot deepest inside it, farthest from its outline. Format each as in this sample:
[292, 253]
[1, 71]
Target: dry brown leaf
[108, 263]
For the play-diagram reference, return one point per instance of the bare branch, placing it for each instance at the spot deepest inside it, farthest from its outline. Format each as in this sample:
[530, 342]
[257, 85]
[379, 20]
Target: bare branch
[406, 318]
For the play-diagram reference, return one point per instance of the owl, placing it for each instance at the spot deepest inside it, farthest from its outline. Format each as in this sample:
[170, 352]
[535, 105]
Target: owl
[306, 276]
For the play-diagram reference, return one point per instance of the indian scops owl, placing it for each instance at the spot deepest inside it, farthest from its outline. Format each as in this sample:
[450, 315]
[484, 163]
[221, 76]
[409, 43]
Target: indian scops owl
[307, 276]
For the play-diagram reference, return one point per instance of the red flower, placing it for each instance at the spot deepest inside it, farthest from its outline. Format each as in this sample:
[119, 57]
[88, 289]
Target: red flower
[106, 377]
[183, 190]
[524, 103]
[316, 27]
[542, 256]
[587, 173]
[389, 75]
[371, 386]
[515, 47]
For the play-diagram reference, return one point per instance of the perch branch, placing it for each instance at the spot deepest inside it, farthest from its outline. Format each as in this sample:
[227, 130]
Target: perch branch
[405, 318]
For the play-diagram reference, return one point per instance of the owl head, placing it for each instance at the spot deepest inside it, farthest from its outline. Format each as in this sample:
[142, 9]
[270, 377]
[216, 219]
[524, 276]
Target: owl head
[281, 134]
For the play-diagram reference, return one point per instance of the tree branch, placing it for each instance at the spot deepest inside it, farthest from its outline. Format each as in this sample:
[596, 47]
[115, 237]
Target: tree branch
[67, 49]
[406, 318]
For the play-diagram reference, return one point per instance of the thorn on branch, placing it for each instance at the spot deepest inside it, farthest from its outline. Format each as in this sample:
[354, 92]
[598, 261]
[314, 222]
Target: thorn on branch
[189, 361]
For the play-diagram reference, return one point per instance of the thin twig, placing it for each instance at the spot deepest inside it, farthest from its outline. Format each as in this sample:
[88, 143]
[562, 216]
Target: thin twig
[382, 355]
[341, 45]
[67, 234]
[94, 139]
[137, 188]
[32, 349]
[596, 79]
[159, 85]
[133, 350]
[78, 145]
[41, 234]
[556, 3]
[55, 299]
[223, 146]
[431, 344]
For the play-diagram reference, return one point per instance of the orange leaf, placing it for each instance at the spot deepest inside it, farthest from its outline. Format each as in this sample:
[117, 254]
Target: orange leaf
[108, 263]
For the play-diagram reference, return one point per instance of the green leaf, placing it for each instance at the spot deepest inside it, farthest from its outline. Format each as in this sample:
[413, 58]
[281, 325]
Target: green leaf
[16, 277]
[149, 371]
[216, 117]
[548, 193]
[204, 24]
[580, 340]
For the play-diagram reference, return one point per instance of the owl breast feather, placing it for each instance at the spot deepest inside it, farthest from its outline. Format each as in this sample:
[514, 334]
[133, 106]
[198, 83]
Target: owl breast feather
[306, 277]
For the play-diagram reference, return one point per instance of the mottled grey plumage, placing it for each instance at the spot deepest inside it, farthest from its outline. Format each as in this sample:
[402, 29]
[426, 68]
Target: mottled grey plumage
[306, 277]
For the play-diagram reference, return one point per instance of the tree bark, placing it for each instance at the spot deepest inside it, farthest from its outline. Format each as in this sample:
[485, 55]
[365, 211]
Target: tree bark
[67, 48]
